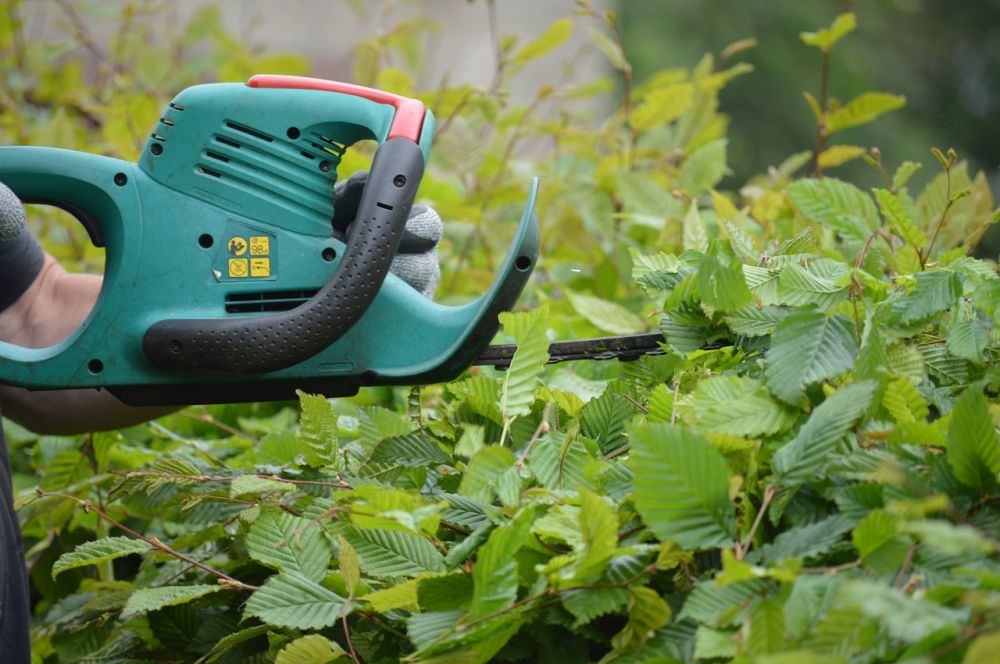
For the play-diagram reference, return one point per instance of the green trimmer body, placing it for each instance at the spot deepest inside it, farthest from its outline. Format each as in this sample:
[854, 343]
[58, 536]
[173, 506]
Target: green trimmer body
[223, 279]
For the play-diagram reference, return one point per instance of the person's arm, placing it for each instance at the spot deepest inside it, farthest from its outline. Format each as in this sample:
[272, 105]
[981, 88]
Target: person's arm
[52, 307]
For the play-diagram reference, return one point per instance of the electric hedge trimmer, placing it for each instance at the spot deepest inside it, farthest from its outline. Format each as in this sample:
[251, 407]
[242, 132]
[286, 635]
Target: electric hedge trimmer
[223, 278]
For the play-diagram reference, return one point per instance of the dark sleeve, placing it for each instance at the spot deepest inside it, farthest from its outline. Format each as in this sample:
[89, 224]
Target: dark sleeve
[20, 262]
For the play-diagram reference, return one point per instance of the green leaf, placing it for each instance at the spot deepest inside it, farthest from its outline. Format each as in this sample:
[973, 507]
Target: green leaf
[310, 649]
[694, 234]
[386, 553]
[440, 593]
[560, 461]
[411, 450]
[877, 538]
[903, 616]
[604, 315]
[753, 322]
[247, 484]
[483, 472]
[904, 402]
[682, 487]
[586, 604]
[968, 339]
[863, 109]
[518, 390]
[823, 283]
[767, 627]
[838, 155]
[317, 430]
[145, 600]
[807, 541]
[816, 442]
[610, 48]
[808, 347]
[984, 649]
[495, 576]
[714, 643]
[904, 173]
[97, 552]
[900, 218]
[291, 600]
[825, 38]
[400, 596]
[703, 169]
[973, 447]
[713, 604]
[739, 406]
[350, 565]
[662, 105]
[720, 279]
[836, 204]
[934, 292]
[599, 527]
[555, 35]
[289, 543]
[647, 612]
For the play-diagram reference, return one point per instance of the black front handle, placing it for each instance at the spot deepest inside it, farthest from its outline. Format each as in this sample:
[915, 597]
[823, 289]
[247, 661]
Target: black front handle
[286, 339]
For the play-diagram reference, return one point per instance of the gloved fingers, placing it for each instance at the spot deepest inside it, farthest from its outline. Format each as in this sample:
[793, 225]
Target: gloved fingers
[421, 271]
[422, 232]
[12, 216]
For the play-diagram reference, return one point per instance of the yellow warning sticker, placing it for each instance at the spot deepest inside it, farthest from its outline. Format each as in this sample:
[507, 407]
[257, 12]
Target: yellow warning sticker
[237, 246]
[260, 245]
[238, 267]
[260, 267]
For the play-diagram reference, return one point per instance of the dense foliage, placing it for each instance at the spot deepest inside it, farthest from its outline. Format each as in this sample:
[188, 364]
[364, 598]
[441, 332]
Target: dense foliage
[809, 473]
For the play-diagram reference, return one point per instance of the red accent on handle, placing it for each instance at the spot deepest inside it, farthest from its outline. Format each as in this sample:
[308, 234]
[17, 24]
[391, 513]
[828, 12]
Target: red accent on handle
[406, 123]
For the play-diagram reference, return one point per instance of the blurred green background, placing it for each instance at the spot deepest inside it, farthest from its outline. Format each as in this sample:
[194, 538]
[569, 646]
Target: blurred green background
[943, 56]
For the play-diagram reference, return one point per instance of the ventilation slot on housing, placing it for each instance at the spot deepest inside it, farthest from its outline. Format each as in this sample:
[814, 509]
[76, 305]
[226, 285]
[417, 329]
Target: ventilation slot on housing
[241, 303]
[249, 131]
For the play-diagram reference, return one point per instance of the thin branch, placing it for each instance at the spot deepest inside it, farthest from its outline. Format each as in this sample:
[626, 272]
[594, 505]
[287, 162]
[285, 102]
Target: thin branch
[542, 428]
[769, 493]
[153, 541]
[347, 629]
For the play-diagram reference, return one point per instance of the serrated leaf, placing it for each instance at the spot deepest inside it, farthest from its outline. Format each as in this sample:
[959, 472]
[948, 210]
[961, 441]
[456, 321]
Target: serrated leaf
[863, 109]
[767, 627]
[518, 389]
[97, 552]
[606, 316]
[440, 593]
[289, 543]
[739, 406]
[610, 48]
[904, 402]
[310, 649]
[836, 204]
[808, 347]
[400, 596]
[662, 105]
[603, 419]
[247, 484]
[657, 273]
[703, 169]
[586, 604]
[721, 282]
[385, 553]
[291, 600]
[483, 472]
[753, 322]
[934, 292]
[495, 577]
[878, 541]
[693, 233]
[647, 612]
[816, 442]
[411, 450]
[559, 461]
[145, 600]
[973, 446]
[350, 565]
[900, 218]
[968, 339]
[807, 541]
[712, 604]
[318, 430]
[599, 527]
[681, 487]
[942, 365]
[904, 173]
[823, 283]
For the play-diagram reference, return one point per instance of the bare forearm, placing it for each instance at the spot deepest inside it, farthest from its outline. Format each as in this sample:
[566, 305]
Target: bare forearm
[52, 308]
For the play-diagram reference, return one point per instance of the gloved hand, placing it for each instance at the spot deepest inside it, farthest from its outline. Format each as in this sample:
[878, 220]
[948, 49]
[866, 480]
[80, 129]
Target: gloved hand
[11, 214]
[416, 262]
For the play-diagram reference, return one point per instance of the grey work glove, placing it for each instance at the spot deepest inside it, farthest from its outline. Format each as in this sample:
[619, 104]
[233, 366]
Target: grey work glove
[11, 214]
[416, 262]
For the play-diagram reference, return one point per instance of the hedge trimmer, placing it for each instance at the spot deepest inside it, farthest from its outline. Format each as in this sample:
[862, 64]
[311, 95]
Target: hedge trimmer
[223, 279]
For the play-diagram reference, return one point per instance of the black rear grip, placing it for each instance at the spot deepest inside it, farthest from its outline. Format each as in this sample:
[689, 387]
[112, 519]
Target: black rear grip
[270, 343]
